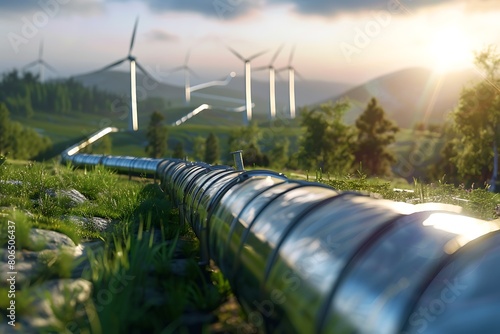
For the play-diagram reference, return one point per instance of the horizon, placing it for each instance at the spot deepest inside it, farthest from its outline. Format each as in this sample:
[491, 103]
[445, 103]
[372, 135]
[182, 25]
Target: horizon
[346, 43]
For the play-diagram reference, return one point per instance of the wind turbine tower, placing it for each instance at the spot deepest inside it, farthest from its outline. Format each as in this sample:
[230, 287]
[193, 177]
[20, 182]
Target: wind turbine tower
[133, 124]
[41, 63]
[187, 73]
[291, 82]
[248, 83]
[272, 83]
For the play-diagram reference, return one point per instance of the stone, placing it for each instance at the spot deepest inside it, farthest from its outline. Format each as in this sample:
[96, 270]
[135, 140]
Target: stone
[57, 297]
[12, 182]
[46, 239]
[94, 223]
[75, 197]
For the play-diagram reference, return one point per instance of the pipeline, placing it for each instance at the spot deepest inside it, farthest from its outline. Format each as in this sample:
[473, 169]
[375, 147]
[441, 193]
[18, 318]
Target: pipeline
[302, 257]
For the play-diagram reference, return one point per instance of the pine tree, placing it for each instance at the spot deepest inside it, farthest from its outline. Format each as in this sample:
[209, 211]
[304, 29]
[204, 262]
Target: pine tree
[212, 153]
[375, 134]
[199, 148]
[179, 151]
[157, 136]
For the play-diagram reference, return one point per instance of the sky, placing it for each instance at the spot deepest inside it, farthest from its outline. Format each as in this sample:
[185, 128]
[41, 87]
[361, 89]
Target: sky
[348, 41]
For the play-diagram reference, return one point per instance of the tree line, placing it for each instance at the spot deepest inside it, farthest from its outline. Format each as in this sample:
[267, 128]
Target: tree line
[327, 143]
[18, 141]
[472, 132]
[24, 94]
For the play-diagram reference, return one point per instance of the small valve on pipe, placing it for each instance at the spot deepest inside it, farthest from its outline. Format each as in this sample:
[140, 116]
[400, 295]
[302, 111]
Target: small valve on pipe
[238, 160]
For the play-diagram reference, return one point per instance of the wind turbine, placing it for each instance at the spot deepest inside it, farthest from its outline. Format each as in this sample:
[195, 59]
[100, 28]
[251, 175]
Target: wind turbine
[187, 72]
[247, 117]
[291, 82]
[272, 83]
[133, 121]
[40, 62]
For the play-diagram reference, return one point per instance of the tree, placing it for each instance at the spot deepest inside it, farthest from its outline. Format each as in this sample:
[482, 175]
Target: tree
[279, 152]
[375, 134]
[327, 140]
[199, 148]
[247, 139]
[4, 128]
[477, 122]
[156, 134]
[179, 151]
[212, 152]
[18, 141]
[419, 126]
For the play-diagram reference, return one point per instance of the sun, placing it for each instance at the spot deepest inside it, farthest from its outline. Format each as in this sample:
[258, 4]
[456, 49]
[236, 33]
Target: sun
[450, 50]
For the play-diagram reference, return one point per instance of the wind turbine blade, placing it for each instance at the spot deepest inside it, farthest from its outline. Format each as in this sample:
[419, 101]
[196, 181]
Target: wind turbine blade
[48, 66]
[105, 68]
[292, 54]
[133, 35]
[298, 75]
[33, 63]
[193, 73]
[276, 54]
[257, 55]
[40, 51]
[176, 69]
[236, 53]
[143, 70]
[188, 55]
[116, 63]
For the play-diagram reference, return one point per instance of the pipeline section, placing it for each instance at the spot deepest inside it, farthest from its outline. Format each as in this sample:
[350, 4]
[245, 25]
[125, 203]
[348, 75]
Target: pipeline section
[302, 257]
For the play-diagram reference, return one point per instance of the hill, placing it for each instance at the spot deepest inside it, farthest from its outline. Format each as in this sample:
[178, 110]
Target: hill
[410, 95]
[230, 96]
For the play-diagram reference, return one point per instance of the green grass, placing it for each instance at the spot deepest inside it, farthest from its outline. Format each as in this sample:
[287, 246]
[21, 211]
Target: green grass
[136, 286]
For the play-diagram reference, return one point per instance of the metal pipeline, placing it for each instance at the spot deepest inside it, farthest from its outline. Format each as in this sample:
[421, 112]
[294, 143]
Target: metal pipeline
[302, 257]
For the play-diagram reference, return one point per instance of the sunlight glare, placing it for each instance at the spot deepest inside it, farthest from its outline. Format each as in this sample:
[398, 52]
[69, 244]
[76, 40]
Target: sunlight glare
[466, 228]
[450, 50]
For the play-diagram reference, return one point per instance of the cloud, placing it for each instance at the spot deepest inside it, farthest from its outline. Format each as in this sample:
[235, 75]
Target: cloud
[161, 36]
[222, 9]
[231, 9]
[72, 7]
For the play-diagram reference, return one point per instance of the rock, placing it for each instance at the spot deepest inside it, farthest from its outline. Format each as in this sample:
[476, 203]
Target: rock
[61, 297]
[27, 268]
[45, 239]
[73, 195]
[6, 210]
[93, 223]
[31, 266]
[12, 182]
[81, 260]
